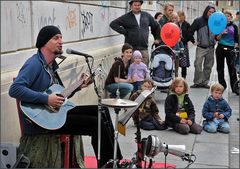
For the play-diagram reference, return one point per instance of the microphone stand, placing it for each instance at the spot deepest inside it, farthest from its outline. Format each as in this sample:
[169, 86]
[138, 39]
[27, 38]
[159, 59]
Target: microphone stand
[139, 144]
[99, 110]
[165, 157]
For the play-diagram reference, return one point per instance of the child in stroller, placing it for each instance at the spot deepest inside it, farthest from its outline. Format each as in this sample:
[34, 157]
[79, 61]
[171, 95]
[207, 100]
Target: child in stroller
[161, 66]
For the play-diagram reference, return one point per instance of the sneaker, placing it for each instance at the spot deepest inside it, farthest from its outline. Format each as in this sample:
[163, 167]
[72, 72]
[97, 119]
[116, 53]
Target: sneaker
[205, 86]
[195, 86]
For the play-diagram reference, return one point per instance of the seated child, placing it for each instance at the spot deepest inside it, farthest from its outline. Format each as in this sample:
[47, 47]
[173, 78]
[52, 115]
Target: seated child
[216, 111]
[180, 113]
[137, 71]
[147, 114]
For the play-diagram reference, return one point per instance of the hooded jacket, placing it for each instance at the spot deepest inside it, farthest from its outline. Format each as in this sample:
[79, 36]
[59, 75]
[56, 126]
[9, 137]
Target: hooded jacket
[205, 38]
[34, 75]
[221, 106]
[171, 108]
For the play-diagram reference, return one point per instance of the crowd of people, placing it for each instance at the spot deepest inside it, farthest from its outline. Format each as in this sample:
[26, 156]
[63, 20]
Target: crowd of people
[130, 75]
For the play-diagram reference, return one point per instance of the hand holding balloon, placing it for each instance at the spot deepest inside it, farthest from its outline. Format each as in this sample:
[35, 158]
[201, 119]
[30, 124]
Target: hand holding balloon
[225, 31]
[217, 22]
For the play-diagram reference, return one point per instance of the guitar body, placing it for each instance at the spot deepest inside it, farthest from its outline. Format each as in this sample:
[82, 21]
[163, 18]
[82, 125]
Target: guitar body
[44, 116]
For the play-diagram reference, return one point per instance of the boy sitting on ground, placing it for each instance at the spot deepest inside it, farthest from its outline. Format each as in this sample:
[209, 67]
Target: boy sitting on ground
[147, 114]
[217, 111]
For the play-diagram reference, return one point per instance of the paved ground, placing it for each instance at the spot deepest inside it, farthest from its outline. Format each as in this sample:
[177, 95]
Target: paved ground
[211, 150]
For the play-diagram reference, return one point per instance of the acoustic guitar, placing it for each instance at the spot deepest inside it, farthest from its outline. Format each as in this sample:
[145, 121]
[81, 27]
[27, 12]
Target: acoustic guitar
[49, 117]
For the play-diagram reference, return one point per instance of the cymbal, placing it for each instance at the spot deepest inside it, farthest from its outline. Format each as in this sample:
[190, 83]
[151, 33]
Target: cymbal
[118, 103]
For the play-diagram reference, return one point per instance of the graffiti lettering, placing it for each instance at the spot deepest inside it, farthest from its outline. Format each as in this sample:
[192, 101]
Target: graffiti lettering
[43, 21]
[87, 22]
[71, 18]
[103, 9]
[22, 11]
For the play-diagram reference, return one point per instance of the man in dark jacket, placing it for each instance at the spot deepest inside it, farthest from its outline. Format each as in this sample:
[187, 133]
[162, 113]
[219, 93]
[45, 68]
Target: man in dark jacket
[134, 25]
[205, 49]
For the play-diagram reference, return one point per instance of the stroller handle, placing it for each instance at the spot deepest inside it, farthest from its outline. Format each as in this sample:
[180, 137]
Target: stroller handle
[160, 46]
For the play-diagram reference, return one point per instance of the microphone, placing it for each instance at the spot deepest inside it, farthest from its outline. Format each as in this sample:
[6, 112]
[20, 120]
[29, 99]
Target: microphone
[155, 146]
[70, 51]
[177, 150]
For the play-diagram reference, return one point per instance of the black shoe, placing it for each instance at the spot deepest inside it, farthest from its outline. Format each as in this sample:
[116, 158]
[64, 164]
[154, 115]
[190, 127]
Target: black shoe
[205, 86]
[195, 86]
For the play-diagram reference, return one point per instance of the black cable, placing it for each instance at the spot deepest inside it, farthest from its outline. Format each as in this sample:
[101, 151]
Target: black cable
[189, 159]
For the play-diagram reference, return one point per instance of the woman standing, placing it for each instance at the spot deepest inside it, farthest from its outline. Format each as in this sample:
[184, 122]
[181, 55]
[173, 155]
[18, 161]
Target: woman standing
[227, 41]
[184, 26]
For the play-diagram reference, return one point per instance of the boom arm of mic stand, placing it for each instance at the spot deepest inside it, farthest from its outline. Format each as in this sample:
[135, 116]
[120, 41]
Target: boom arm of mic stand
[99, 109]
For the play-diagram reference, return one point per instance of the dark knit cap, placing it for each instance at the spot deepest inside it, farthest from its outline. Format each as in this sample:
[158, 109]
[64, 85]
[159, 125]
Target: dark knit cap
[45, 34]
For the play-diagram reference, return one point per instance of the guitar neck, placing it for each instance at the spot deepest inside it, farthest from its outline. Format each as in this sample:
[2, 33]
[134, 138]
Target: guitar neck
[66, 92]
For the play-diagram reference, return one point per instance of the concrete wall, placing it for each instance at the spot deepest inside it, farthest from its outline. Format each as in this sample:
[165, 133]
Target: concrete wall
[85, 27]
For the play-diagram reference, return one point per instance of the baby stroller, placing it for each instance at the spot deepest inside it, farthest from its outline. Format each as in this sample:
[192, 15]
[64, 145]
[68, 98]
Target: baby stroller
[235, 53]
[162, 67]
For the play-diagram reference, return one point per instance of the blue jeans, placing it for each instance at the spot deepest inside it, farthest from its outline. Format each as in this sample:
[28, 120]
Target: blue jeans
[124, 89]
[216, 125]
[137, 85]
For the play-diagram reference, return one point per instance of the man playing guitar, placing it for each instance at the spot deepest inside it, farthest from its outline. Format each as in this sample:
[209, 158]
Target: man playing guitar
[36, 76]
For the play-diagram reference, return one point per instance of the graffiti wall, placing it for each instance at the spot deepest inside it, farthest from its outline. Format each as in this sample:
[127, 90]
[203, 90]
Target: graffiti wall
[15, 25]
[94, 21]
[63, 15]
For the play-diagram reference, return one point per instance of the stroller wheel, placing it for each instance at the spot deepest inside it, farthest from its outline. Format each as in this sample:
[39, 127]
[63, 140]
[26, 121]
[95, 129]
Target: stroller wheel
[236, 87]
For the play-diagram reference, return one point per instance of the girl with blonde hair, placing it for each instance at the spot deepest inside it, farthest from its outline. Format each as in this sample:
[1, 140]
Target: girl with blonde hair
[179, 110]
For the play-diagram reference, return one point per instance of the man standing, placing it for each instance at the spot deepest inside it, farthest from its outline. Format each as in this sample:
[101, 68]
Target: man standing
[205, 49]
[134, 25]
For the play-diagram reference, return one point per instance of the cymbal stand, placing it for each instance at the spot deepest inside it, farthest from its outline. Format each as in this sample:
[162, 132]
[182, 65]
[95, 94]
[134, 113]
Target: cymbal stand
[99, 107]
[117, 110]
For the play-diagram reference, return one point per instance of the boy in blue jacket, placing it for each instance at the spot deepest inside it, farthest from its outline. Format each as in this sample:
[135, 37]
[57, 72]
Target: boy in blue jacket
[216, 111]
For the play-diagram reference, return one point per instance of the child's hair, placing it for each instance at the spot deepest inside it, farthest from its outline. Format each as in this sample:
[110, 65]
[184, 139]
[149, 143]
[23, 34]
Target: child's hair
[178, 80]
[174, 14]
[126, 46]
[228, 13]
[181, 13]
[217, 87]
[149, 81]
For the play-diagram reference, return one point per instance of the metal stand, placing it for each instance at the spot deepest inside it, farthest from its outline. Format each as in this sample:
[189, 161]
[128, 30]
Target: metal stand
[99, 110]
[139, 144]
[117, 104]
[117, 110]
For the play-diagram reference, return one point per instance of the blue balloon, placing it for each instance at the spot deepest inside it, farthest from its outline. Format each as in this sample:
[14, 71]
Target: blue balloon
[217, 22]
